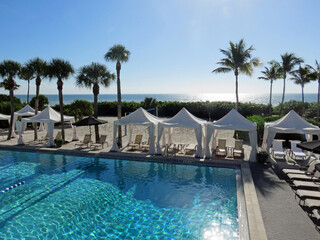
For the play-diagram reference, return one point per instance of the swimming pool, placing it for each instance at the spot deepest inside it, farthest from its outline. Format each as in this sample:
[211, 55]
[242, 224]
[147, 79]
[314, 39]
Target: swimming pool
[68, 197]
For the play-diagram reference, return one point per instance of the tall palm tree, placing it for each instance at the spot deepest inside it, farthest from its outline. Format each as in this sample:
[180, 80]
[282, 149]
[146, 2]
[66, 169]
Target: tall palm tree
[119, 54]
[39, 69]
[92, 76]
[271, 74]
[239, 60]
[287, 64]
[302, 76]
[9, 70]
[316, 72]
[61, 70]
[27, 75]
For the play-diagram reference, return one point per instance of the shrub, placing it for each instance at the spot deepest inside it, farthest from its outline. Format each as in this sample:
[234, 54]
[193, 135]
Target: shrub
[43, 102]
[6, 98]
[260, 125]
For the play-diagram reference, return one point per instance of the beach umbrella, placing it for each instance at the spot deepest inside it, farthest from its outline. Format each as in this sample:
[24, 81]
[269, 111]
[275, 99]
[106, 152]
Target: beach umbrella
[89, 121]
[313, 146]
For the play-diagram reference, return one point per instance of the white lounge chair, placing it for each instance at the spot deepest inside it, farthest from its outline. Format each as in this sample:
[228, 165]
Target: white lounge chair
[146, 145]
[102, 141]
[303, 194]
[137, 142]
[238, 150]
[221, 149]
[277, 150]
[190, 148]
[86, 141]
[310, 168]
[295, 152]
[312, 203]
[306, 185]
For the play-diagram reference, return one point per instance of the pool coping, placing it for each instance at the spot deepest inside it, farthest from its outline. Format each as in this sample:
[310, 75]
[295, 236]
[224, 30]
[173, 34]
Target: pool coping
[255, 221]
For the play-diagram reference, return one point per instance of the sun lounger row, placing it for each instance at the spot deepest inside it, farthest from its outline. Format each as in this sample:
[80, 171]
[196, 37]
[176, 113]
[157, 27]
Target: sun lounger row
[236, 151]
[87, 142]
[277, 150]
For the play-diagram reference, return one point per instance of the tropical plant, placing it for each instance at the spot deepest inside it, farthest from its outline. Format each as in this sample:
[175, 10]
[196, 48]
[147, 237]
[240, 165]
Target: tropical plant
[302, 76]
[43, 101]
[61, 70]
[287, 64]
[92, 76]
[38, 68]
[316, 72]
[149, 102]
[27, 75]
[9, 70]
[119, 54]
[80, 108]
[239, 60]
[271, 74]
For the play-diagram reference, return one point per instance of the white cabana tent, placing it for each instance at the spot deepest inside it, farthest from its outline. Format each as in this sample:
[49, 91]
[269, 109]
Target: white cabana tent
[183, 119]
[26, 111]
[49, 117]
[233, 120]
[138, 117]
[5, 117]
[290, 123]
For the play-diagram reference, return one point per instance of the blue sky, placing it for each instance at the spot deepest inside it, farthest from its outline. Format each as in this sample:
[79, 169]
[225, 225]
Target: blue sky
[174, 44]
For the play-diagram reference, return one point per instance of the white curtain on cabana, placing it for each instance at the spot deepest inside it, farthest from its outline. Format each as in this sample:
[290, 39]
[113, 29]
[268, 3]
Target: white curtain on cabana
[232, 121]
[290, 123]
[183, 119]
[138, 117]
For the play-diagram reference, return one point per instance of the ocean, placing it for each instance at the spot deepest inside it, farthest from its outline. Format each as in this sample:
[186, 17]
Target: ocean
[253, 98]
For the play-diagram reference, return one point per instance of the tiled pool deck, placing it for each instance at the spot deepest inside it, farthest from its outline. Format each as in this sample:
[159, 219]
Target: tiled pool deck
[271, 208]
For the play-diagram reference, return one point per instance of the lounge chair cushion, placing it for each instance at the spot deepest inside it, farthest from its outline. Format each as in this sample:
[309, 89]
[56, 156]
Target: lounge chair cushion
[279, 154]
[312, 203]
[306, 184]
[308, 194]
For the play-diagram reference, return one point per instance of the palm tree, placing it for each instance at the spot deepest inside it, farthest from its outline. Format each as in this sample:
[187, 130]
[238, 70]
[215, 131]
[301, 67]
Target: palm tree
[271, 74]
[92, 76]
[302, 76]
[9, 70]
[238, 59]
[118, 53]
[316, 72]
[61, 70]
[38, 68]
[288, 62]
[27, 75]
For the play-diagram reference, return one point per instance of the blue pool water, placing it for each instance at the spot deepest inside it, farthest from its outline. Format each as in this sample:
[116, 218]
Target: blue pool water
[67, 197]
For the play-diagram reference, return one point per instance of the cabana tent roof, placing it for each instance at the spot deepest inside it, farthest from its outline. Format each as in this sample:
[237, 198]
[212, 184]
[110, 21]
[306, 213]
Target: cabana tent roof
[290, 123]
[184, 119]
[138, 117]
[4, 117]
[26, 111]
[48, 115]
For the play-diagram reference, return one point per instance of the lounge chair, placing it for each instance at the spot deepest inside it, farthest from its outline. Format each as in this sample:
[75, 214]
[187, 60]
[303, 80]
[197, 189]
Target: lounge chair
[306, 185]
[86, 141]
[310, 168]
[102, 141]
[221, 149]
[312, 203]
[137, 142]
[191, 148]
[44, 138]
[303, 194]
[146, 145]
[238, 150]
[295, 152]
[277, 150]
[304, 177]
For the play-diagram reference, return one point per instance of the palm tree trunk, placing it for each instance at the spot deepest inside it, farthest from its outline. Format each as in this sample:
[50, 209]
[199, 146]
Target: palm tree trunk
[318, 101]
[36, 104]
[270, 105]
[95, 105]
[283, 93]
[119, 100]
[237, 97]
[60, 86]
[302, 86]
[11, 87]
[28, 91]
